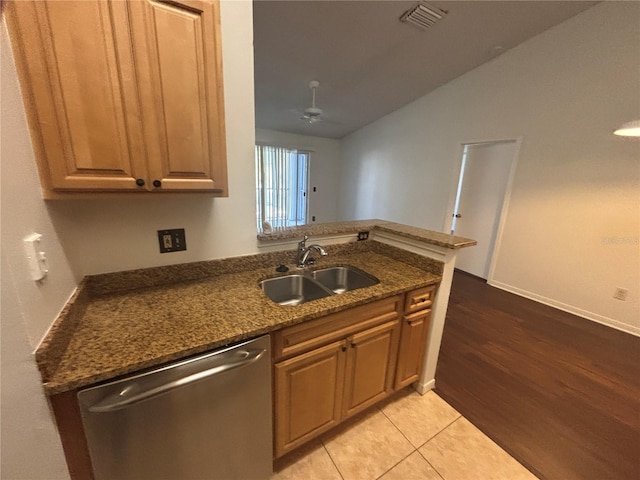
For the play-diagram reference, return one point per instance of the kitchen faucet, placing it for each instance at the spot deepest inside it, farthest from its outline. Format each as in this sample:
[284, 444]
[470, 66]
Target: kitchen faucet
[302, 258]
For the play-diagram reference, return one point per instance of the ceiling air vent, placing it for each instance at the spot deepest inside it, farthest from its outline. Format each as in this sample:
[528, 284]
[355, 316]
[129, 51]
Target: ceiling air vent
[423, 15]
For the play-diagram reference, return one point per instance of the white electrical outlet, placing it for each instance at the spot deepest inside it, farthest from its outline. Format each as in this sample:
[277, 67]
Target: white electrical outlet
[621, 294]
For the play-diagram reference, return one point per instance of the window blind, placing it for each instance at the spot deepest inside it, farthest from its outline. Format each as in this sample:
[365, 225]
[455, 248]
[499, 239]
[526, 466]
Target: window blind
[281, 186]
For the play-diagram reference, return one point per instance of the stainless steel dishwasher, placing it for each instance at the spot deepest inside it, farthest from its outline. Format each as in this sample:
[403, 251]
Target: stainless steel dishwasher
[207, 417]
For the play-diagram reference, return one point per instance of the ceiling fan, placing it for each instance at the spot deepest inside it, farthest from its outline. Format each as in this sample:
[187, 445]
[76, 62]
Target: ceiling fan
[312, 114]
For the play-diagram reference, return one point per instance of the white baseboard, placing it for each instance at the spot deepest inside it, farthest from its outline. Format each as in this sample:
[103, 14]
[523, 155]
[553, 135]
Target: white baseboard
[423, 388]
[609, 322]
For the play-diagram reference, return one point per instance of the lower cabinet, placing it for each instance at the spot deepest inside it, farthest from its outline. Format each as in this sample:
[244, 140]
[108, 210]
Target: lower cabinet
[308, 393]
[328, 369]
[415, 328]
[371, 362]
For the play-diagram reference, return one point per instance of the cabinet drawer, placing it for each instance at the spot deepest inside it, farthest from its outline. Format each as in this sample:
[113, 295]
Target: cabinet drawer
[419, 299]
[308, 335]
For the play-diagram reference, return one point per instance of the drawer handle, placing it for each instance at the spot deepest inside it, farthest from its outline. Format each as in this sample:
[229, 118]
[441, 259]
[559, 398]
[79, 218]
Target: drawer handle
[421, 299]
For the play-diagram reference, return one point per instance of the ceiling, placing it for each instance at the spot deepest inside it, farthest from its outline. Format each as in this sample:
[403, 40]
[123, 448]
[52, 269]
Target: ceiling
[369, 63]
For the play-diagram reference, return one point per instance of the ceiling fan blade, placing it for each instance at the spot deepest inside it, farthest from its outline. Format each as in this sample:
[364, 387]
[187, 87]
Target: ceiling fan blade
[310, 119]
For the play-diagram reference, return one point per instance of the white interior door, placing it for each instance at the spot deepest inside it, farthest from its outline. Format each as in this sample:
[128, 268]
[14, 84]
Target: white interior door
[483, 183]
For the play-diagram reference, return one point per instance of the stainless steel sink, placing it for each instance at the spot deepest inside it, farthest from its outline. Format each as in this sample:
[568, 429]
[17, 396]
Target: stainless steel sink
[298, 288]
[293, 289]
[343, 279]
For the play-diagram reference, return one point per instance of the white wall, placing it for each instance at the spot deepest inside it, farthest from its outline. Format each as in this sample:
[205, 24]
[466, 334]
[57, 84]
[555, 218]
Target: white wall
[571, 232]
[324, 170]
[83, 237]
[28, 308]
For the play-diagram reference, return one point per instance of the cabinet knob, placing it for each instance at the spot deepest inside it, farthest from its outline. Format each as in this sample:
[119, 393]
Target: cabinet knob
[353, 345]
[157, 183]
[140, 182]
[344, 349]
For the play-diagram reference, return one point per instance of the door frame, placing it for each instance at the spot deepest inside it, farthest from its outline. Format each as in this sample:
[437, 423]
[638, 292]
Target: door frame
[505, 201]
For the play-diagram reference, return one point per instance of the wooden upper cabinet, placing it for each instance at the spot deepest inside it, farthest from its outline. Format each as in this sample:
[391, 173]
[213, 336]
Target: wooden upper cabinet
[81, 96]
[123, 95]
[180, 66]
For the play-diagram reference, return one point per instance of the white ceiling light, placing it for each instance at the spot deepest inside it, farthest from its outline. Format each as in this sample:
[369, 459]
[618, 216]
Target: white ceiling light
[629, 129]
[423, 15]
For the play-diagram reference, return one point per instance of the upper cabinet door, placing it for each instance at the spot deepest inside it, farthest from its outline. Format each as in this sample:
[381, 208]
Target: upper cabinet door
[79, 83]
[123, 95]
[178, 49]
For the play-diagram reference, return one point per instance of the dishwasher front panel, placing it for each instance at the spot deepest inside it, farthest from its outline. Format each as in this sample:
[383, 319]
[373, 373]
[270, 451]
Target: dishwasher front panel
[204, 418]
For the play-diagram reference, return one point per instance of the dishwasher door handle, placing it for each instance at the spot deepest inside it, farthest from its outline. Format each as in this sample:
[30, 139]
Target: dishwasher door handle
[129, 396]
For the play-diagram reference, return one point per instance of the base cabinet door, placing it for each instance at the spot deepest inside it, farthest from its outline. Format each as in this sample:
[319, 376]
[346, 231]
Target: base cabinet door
[336, 366]
[308, 393]
[371, 362]
[413, 339]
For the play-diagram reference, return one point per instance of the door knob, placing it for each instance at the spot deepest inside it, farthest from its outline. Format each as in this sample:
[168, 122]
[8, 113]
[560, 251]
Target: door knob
[457, 215]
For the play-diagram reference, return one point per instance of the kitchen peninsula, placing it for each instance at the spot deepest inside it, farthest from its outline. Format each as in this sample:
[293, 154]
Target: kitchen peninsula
[124, 322]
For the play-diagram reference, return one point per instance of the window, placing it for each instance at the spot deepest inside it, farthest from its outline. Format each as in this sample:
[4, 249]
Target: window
[281, 184]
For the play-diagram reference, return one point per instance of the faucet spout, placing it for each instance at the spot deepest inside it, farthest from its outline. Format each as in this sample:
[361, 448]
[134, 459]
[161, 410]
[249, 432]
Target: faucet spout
[304, 252]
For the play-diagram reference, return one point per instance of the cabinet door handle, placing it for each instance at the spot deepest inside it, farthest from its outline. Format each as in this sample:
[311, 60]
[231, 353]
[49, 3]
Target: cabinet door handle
[140, 182]
[157, 183]
[344, 348]
[353, 344]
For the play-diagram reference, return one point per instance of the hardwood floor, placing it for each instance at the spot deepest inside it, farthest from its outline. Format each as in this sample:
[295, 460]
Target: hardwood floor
[558, 392]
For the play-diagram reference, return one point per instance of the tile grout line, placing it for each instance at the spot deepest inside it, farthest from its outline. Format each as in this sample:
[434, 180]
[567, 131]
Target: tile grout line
[434, 436]
[398, 428]
[417, 449]
[431, 437]
[332, 460]
[414, 448]
[396, 464]
[425, 458]
[430, 464]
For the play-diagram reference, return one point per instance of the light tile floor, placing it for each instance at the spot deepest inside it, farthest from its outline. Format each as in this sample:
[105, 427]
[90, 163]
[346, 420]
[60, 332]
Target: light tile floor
[409, 438]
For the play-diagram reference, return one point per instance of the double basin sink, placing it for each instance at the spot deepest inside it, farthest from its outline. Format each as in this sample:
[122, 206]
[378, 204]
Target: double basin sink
[298, 288]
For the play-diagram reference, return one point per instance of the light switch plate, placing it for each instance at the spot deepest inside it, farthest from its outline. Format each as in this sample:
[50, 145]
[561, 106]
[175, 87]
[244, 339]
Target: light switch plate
[36, 258]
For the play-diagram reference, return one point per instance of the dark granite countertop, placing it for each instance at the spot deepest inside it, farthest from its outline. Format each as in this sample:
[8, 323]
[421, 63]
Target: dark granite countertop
[122, 322]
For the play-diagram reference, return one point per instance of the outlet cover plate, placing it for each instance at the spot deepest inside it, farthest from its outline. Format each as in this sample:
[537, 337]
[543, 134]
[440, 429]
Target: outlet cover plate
[172, 240]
